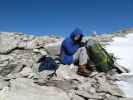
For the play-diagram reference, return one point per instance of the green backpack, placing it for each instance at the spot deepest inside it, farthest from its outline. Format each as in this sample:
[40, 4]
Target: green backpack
[102, 59]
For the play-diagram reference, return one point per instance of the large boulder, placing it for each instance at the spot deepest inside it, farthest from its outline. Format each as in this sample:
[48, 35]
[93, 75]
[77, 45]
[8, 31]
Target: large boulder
[25, 89]
[20, 50]
[8, 42]
[54, 48]
[68, 72]
[3, 83]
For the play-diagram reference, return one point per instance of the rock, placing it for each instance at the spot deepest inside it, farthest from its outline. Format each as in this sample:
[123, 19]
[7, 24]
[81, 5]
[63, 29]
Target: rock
[17, 60]
[124, 76]
[26, 44]
[103, 38]
[26, 72]
[20, 50]
[3, 84]
[64, 85]
[6, 65]
[8, 42]
[73, 96]
[94, 74]
[117, 98]
[46, 74]
[76, 97]
[88, 95]
[105, 86]
[112, 98]
[68, 72]
[43, 52]
[4, 93]
[125, 98]
[87, 86]
[54, 50]
[25, 89]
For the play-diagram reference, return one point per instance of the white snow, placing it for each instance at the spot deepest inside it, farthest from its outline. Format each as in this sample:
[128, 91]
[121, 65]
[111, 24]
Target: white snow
[122, 47]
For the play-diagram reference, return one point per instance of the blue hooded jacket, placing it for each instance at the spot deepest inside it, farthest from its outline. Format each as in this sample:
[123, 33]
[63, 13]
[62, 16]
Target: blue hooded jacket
[68, 47]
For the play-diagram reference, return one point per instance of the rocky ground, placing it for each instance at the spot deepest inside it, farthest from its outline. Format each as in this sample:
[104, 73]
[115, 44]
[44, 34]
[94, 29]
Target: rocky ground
[21, 79]
[107, 37]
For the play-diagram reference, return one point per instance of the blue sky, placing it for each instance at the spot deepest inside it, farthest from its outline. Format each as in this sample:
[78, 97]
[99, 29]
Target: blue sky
[41, 17]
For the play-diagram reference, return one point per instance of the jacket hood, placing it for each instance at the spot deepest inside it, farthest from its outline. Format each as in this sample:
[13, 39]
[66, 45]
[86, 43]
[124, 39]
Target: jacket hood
[76, 32]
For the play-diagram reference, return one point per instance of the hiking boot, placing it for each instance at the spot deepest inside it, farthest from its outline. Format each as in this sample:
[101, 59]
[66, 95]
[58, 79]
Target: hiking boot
[91, 68]
[83, 71]
[85, 74]
[91, 65]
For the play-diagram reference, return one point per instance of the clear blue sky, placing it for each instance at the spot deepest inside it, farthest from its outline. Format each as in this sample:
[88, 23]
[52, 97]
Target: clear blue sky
[62, 16]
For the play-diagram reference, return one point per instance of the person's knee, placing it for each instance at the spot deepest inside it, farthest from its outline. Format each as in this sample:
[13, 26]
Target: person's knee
[84, 52]
[83, 49]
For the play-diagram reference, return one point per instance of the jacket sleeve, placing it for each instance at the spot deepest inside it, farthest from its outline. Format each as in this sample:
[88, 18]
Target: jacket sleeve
[69, 48]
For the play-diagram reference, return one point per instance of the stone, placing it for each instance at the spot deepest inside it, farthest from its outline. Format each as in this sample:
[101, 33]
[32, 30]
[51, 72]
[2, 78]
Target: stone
[68, 72]
[25, 89]
[87, 86]
[76, 97]
[126, 98]
[8, 42]
[26, 72]
[40, 51]
[112, 98]
[105, 86]
[53, 50]
[88, 95]
[3, 84]
[62, 84]
[46, 74]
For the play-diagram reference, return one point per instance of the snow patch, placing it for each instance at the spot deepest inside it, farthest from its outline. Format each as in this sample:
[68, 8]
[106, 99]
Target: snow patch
[122, 47]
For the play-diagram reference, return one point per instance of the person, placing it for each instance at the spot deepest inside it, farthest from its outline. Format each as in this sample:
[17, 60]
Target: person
[73, 51]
